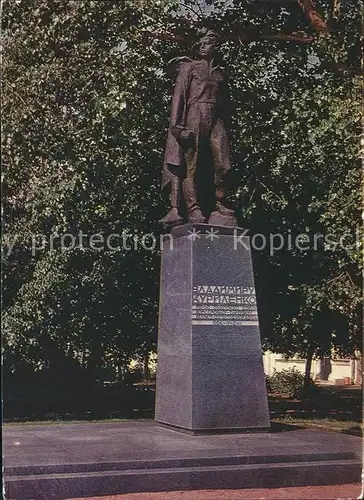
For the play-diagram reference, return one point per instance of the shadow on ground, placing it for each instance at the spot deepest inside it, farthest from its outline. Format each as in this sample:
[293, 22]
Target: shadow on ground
[334, 404]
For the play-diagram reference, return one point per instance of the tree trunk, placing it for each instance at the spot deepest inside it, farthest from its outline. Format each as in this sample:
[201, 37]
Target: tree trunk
[310, 352]
[94, 360]
[146, 374]
[358, 376]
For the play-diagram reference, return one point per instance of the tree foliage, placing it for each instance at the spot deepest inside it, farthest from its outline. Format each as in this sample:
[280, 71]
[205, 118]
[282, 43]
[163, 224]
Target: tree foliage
[86, 103]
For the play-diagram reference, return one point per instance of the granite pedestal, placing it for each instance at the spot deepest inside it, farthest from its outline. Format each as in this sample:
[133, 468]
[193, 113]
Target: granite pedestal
[210, 374]
[87, 460]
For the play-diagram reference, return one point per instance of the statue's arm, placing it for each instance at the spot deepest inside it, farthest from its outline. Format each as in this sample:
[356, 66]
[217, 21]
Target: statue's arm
[179, 104]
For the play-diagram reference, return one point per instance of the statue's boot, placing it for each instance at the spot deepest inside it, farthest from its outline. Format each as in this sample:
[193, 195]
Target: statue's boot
[173, 218]
[189, 193]
[223, 215]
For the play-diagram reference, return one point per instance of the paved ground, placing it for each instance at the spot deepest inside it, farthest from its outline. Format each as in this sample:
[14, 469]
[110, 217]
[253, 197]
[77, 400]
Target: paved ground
[62, 446]
[338, 492]
[90, 460]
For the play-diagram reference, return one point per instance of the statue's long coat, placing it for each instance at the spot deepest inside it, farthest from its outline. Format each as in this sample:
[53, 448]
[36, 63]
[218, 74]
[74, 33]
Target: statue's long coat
[174, 161]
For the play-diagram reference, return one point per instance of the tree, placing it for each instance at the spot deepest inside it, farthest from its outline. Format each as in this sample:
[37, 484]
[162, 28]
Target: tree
[86, 101]
[76, 159]
[297, 127]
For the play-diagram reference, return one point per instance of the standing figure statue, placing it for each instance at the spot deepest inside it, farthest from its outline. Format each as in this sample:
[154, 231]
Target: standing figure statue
[197, 157]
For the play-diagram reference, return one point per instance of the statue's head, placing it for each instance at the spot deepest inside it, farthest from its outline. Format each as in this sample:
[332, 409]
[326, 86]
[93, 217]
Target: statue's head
[209, 44]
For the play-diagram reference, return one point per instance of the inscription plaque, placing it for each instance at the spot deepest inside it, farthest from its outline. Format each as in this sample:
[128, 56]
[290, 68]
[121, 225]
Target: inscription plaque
[224, 305]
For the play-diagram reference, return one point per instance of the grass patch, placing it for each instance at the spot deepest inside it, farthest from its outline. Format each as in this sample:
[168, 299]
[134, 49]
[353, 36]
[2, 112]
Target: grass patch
[81, 421]
[324, 424]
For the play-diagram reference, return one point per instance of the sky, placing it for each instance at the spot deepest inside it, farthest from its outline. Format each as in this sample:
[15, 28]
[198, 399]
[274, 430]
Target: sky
[203, 5]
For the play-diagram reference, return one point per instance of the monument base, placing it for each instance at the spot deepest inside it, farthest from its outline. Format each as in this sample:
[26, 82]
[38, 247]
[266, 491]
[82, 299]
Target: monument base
[210, 375]
[89, 460]
[211, 432]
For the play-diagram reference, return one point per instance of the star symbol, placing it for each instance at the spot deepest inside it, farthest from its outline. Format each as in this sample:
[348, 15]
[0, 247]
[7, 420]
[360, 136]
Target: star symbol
[194, 235]
[212, 233]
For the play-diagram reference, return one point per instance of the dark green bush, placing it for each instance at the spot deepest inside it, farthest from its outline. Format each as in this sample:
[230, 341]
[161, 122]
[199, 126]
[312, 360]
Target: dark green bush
[287, 382]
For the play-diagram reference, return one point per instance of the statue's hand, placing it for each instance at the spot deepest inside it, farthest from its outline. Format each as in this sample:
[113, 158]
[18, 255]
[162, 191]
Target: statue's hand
[187, 139]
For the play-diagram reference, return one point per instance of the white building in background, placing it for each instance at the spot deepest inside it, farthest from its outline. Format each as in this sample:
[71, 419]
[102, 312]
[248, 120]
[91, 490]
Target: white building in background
[333, 371]
[336, 371]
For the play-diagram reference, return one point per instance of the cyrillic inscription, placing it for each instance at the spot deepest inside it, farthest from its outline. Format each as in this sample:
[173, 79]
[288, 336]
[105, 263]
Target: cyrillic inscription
[224, 305]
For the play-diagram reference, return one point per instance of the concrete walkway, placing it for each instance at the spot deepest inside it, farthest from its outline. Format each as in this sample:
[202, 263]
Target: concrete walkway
[336, 492]
[89, 460]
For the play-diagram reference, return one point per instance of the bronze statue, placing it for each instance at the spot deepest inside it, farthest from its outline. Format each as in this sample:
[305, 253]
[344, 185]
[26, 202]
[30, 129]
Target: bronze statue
[198, 139]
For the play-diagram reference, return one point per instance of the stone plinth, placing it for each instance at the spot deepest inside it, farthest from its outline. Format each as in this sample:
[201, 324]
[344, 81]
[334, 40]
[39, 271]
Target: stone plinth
[101, 460]
[210, 374]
